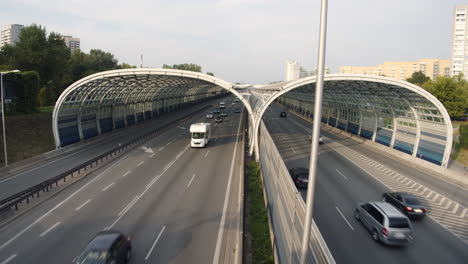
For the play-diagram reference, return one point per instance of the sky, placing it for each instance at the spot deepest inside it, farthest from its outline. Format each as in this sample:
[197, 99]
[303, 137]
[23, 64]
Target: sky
[247, 41]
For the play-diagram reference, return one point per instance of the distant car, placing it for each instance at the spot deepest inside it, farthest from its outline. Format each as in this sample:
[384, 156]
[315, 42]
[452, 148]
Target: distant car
[236, 100]
[237, 110]
[216, 112]
[320, 139]
[223, 114]
[385, 222]
[209, 115]
[283, 114]
[300, 177]
[407, 203]
[107, 247]
[218, 119]
[222, 107]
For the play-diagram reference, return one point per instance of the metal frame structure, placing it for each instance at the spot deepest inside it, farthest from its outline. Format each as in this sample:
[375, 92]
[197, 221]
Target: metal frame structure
[392, 112]
[112, 99]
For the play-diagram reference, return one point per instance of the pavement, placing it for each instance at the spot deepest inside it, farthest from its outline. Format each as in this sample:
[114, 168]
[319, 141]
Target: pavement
[350, 173]
[178, 205]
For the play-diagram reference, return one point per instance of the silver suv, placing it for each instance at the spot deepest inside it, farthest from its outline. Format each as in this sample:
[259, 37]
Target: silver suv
[385, 222]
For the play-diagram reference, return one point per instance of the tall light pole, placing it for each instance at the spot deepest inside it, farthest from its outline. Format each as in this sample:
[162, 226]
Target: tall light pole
[316, 131]
[3, 115]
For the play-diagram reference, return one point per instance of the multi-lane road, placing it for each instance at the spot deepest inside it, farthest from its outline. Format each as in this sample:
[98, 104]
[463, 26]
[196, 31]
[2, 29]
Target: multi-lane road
[176, 204]
[342, 184]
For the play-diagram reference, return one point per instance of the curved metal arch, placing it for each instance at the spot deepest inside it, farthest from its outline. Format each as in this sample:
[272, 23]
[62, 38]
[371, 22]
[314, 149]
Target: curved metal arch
[286, 87]
[142, 71]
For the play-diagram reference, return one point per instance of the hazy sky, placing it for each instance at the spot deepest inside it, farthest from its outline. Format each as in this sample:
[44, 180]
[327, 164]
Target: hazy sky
[246, 40]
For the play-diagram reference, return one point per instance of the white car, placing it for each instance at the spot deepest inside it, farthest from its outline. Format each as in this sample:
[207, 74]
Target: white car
[210, 116]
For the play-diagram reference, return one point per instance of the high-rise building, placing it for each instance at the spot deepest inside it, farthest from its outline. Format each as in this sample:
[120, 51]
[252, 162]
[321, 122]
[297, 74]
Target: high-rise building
[292, 70]
[459, 45]
[403, 69]
[9, 34]
[72, 43]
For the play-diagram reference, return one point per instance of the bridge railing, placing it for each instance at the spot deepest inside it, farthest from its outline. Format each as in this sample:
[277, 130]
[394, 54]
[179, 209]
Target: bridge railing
[286, 208]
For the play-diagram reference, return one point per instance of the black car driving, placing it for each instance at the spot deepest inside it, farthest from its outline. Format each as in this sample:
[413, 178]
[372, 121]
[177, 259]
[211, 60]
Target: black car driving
[407, 203]
[107, 247]
[300, 177]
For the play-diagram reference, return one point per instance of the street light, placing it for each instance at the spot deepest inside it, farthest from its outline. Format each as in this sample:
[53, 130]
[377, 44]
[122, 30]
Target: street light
[3, 115]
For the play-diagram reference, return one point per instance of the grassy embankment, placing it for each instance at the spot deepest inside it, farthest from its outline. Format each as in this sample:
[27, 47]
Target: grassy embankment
[461, 148]
[258, 218]
[27, 135]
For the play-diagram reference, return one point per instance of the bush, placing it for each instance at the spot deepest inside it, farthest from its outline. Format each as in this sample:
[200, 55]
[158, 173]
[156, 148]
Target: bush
[23, 89]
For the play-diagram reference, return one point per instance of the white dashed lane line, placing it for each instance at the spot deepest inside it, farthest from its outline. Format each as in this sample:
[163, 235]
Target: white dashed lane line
[8, 259]
[107, 187]
[339, 172]
[346, 220]
[125, 174]
[82, 205]
[155, 242]
[139, 164]
[152, 155]
[207, 153]
[190, 182]
[50, 229]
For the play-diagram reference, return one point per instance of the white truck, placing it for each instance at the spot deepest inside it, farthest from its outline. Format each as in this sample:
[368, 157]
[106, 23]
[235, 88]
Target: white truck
[201, 133]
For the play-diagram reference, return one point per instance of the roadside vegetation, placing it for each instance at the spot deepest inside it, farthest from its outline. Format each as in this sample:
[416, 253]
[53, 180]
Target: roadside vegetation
[258, 218]
[461, 147]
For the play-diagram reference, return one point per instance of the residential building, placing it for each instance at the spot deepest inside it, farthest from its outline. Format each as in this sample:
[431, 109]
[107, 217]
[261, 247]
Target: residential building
[292, 70]
[403, 69]
[9, 34]
[459, 48]
[72, 43]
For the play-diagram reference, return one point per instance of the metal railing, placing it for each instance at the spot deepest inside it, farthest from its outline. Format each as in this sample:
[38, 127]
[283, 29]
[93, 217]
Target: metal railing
[35, 191]
[286, 208]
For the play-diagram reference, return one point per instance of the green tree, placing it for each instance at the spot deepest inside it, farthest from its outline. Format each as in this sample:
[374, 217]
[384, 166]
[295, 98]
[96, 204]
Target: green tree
[126, 66]
[418, 78]
[451, 92]
[23, 88]
[185, 67]
[210, 73]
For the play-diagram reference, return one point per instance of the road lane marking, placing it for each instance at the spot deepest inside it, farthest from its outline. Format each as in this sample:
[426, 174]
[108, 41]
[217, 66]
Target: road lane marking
[50, 229]
[57, 206]
[155, 242]
[344, 218]
[155, 179]
[168, 143]
[107, 187]
[190, 182]
[127, 173]
[207, 153]
[129, 204]
[82, 205]
[141, 163]
[341, 174]
[226, 199]
[152, 155]
[293, 149]
[161, 148]
[8, 259]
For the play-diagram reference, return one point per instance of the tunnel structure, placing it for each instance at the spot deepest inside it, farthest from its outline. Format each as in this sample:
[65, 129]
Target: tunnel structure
[391, 112]
[110, 100]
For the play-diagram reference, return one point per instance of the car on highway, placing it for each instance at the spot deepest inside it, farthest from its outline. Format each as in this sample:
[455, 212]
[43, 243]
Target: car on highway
[406, 203]
[236, 100]
[107, 247]
[209, 115]
[283, 114]
[222, 107]
[237, 110]
[218, 119]
[386, 223]
[223, 114]
[320, 139]
[300, 177]
[216, 112]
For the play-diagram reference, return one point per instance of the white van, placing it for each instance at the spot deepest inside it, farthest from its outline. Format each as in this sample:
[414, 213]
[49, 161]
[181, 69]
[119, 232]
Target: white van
[201, 133]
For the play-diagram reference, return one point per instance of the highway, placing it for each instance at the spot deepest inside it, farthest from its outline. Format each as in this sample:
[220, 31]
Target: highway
[342, 184]
[175, 204]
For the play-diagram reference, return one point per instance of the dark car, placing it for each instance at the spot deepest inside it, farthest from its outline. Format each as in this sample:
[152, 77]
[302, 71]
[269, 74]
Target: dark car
[216, 112]
[223, 114]
[300, 177]
[283, 114]
[218, 119]
[237, 111]
[407, 203]
[107, 247]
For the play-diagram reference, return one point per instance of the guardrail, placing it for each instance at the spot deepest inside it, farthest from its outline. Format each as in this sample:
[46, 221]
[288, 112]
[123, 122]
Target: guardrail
[286, 208]
[45, 186]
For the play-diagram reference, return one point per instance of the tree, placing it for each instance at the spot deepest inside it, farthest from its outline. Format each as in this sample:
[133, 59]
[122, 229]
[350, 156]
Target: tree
[126, 66]
[210, 73]
[452, 92]
[418, 78]
[185, 67]
[23, 89]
